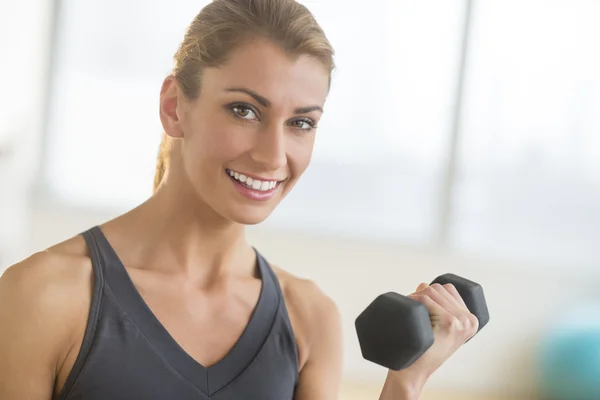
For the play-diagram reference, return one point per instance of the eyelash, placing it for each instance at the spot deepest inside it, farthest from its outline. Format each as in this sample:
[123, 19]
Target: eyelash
[232, 108]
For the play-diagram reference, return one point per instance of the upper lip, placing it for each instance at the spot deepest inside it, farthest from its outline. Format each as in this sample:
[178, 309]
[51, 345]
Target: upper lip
[260, 178]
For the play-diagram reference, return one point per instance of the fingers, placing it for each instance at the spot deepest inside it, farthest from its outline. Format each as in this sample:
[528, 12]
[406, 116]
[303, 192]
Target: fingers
[440, 295]
[454, 304]
[447, 306]
[450, 293]
[434, 308]
[466, 317]
[452, 290]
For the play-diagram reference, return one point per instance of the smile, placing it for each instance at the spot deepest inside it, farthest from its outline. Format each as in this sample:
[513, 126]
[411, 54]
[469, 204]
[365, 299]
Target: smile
[252, 183]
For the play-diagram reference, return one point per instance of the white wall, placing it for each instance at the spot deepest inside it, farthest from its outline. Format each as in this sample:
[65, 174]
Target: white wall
[523, 301]
[25, 27]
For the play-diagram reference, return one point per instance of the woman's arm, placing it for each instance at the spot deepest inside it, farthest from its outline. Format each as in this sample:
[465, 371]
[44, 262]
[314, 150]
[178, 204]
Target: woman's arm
[36, 307]
[320, 377]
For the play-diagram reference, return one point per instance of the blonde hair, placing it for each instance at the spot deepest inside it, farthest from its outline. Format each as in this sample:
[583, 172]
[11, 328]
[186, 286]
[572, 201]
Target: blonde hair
[223, 25]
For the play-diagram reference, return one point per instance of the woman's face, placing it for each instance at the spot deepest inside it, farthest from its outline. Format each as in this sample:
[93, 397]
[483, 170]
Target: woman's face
[249, 135]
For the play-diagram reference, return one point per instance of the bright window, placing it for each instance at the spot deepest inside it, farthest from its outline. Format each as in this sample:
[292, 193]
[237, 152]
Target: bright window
[528, 176]
[529, 182]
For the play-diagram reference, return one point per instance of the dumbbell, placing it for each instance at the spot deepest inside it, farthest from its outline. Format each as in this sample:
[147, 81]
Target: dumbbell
[394, 330]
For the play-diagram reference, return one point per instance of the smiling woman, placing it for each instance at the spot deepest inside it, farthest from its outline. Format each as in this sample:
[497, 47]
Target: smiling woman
[169, 300]
[264, 131]
[377, 126]
[258, 187]
[242, 116]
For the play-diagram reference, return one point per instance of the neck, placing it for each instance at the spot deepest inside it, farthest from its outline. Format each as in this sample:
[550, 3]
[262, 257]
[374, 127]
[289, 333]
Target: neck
[176, 232]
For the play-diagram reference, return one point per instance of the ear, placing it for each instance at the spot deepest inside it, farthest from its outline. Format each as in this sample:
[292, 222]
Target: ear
[171, 106]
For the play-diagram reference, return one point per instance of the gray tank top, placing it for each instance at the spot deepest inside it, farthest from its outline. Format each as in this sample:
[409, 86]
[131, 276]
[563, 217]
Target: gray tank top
[128, 354]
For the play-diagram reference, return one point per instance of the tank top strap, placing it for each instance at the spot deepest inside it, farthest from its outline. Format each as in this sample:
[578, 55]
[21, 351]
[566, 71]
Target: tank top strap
[96, 256]
[106, 255]
[269, 275]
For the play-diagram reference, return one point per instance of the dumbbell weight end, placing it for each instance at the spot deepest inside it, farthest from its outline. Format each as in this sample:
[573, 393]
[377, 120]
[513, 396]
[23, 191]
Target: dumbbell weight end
[394, 331]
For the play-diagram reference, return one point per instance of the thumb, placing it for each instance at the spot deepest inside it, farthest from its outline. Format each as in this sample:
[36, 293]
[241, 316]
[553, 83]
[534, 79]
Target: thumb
[422, 286]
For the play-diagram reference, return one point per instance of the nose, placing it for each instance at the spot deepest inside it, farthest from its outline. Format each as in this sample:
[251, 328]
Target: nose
[269, 150]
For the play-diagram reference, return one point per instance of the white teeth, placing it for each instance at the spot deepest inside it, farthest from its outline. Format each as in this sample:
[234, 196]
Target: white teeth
[255, 184]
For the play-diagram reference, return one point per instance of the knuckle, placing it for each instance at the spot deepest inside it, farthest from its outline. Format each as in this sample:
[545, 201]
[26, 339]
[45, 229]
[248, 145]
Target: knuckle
[450, 287]
[474, 322]
[436, 287]
[465, 320]
[432, 292]
[449, 322]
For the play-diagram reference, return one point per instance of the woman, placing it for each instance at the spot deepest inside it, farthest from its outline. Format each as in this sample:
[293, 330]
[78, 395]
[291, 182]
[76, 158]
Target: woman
[169, 300]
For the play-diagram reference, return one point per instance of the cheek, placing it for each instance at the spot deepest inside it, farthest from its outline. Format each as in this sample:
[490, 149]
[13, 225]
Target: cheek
[300, 155]
[220, 142]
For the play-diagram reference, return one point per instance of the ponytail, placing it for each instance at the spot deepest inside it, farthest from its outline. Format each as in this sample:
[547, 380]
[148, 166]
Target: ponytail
[162, 161]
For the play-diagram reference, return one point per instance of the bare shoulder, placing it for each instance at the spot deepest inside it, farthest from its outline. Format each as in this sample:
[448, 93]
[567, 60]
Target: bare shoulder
[48, 276]
[314, 315]
[53, 283]
[305, 295]
[49, 292]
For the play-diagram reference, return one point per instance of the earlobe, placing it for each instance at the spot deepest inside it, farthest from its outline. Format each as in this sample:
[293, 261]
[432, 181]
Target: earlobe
[169, 102]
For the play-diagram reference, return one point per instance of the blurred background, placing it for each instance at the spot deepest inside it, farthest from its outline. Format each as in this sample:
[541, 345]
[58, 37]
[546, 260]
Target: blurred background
[459, 136]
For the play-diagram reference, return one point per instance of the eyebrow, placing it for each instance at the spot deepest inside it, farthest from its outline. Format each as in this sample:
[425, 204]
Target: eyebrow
[267, 103]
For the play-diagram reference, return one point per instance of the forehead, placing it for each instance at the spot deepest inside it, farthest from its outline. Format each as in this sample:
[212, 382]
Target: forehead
[266, 69]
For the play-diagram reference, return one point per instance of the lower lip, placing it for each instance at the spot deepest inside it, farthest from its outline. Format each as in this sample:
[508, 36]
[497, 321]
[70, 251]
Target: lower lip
[253, 194]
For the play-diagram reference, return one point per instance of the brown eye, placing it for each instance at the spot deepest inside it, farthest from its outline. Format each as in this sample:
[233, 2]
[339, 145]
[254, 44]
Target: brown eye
[304, 124]
[243, 112]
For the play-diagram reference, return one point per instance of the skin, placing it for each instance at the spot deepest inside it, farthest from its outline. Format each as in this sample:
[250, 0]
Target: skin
[190, 259]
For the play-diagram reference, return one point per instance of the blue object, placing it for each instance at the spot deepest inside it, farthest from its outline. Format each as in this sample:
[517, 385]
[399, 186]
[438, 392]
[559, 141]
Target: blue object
[570, 358]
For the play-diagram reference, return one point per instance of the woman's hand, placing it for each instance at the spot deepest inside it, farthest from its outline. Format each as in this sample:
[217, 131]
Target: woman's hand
[452, 324]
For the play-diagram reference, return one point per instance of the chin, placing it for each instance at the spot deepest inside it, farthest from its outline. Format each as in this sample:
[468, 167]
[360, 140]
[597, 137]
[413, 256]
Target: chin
[253, 217]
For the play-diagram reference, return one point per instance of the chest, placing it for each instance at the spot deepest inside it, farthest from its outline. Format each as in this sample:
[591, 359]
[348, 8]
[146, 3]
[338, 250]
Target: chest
[212, 327]
[219, 316]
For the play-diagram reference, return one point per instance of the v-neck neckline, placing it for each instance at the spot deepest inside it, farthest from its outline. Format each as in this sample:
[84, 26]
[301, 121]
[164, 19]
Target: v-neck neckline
[209, 379]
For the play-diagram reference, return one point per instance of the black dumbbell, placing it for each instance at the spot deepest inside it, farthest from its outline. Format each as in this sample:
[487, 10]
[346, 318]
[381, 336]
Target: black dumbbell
[394, 330]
